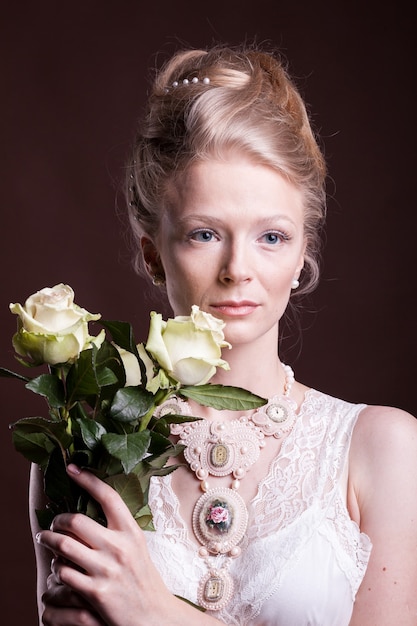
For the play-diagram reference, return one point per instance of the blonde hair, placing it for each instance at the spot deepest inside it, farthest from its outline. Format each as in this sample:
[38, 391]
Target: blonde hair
[247, 103]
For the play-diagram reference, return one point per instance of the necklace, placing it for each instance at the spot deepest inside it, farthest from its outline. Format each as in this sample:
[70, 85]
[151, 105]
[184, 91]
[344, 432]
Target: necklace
[222, 448]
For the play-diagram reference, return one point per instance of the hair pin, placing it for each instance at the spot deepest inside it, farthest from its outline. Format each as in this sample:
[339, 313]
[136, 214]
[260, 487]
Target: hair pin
[187, 81]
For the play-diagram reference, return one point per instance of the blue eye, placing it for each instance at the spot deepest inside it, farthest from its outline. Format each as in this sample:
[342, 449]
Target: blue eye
[202, 235]
[273, 238]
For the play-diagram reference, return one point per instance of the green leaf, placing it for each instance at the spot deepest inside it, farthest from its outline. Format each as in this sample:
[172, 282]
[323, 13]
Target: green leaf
[129, 488]
[106, 377]
[161, 424]
[113, 466]
[49, 386]
[144, 472]
[130, 403]
[108, 360]
[35, 447]
[58, 486]
[55, 429]
[82, 458]
[162, 445]
[196, 606]
[9, 374]
[91, 432]
[92, 509]
[223, 397]
[167, 469]
[144, 518]
[45, 517]
[172, 418]
[129, 449]
[48, 433]
[81, 379]
[122, 334]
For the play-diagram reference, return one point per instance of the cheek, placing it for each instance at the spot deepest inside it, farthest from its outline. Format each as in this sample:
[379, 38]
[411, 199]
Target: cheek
[185, 273]
[280, 276]
[182, 290]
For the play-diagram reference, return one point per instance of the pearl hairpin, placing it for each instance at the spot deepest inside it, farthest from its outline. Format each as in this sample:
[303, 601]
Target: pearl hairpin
[193, 81]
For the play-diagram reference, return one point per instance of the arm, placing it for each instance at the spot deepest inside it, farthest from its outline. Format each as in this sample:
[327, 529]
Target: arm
[111, 567]
[48, 587]
[43, 556]
[383, 478]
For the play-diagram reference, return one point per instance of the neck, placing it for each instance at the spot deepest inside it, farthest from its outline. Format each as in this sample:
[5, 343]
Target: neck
[259, 371]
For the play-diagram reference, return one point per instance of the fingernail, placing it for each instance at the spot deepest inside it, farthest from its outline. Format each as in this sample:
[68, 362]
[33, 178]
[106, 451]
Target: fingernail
[38, 537]
[73, 469]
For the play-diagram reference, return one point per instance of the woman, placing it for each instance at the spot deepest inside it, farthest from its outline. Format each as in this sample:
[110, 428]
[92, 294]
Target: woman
[316, 523]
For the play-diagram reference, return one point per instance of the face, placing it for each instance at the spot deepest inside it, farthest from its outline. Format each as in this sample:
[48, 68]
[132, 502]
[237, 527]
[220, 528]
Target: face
[231, 241]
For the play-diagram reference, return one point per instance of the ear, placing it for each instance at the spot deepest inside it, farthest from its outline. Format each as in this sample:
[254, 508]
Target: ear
[301, 260]
[151, 257]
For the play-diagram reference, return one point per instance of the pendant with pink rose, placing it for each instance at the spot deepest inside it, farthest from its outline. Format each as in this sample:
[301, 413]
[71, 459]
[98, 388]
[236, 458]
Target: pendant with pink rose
[219, 516]
[220, 520]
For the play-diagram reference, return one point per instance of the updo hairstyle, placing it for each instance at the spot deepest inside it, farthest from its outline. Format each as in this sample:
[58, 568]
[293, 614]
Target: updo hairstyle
[204, 103]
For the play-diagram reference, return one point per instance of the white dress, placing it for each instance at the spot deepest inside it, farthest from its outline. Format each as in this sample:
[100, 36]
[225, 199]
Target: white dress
[303, 558]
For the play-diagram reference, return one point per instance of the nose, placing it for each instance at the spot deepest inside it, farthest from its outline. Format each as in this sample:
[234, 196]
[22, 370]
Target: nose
[236, 263]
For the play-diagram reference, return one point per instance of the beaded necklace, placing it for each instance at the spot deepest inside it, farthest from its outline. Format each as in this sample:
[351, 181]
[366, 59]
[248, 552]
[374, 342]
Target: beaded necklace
[220, 448]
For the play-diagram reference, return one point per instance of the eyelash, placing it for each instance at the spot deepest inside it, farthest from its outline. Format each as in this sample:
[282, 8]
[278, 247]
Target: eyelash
[201, 231]
[280, 236]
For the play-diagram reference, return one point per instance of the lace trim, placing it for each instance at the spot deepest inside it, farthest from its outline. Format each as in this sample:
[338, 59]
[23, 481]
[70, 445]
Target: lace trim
[299, 496]
[309, 465]
[352, 548]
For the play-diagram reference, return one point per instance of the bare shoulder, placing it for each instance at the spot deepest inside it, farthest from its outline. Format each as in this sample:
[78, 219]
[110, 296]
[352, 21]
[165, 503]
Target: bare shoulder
[379, 424]
[383, 494]
[383, 426]
[384, 449]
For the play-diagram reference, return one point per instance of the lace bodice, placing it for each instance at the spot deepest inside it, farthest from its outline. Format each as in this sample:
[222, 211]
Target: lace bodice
[303, 558]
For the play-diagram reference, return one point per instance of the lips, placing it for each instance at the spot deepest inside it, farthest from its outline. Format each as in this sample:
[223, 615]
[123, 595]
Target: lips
[233, 308]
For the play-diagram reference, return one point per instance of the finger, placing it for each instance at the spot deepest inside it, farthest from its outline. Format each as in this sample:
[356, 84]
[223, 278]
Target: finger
[77, 526]
[117, 514]
[54, 616]
[70, 553]
[63, 606]
[83, 530]
[57, 564]
[58, 594]
[72, 577]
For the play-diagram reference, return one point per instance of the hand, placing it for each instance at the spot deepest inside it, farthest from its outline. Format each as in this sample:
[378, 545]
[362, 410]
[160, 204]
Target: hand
[65, 607]
[109, 568]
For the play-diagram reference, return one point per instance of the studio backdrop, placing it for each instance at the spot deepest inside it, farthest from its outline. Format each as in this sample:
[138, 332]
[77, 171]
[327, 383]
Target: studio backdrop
[74, 80]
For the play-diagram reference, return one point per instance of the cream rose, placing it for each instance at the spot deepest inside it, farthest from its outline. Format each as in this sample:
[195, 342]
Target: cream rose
[188, 348]
[51, 328]
[132, 368]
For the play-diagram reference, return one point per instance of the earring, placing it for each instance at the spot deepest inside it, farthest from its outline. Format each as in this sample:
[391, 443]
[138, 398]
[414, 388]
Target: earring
[295, 283]
[158, 280]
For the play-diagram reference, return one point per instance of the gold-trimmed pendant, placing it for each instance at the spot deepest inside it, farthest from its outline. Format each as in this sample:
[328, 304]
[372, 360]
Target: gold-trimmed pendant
[221, 448]
[215, 590]
[277, 417]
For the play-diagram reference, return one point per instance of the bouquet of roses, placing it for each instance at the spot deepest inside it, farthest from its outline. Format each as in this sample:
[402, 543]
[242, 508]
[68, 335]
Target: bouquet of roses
[102, 394]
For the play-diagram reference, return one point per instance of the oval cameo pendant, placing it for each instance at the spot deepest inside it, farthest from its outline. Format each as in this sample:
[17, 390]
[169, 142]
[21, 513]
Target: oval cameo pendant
[220, 519]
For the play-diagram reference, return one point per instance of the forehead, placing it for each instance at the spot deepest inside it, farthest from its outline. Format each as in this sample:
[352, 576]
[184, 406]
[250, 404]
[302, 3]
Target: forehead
[234, 185]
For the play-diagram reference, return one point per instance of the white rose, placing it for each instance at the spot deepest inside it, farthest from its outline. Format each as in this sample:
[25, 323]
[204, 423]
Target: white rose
[132, 367]
[51, 328]
[188, 348]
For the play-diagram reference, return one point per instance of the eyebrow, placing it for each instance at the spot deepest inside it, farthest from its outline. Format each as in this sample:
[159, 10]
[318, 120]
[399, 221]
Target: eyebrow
[264, 221]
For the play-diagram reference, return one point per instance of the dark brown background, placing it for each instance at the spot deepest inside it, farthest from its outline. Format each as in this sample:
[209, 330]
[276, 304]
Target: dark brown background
[73, 82]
